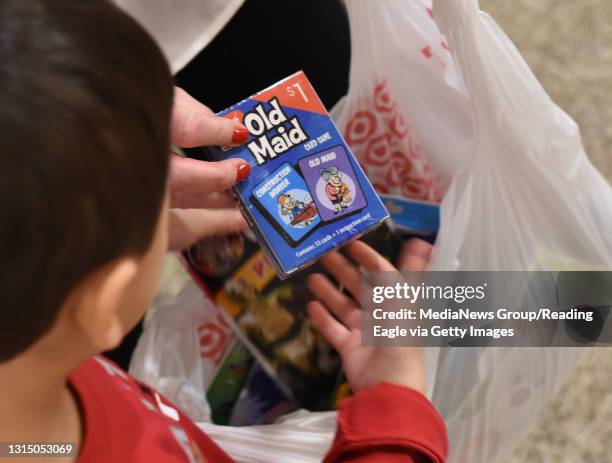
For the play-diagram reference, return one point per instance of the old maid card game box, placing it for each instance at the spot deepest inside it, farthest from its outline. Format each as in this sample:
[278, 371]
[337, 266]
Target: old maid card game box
[306, 194]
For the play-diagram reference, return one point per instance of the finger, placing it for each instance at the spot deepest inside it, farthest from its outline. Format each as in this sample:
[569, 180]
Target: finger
[190, 178]
[193, 124]
[335, 332]
[343, 307]
[214, 200]
[344, 272]
[414, 255]
[182, 98]
[188, 226]
[368, 258]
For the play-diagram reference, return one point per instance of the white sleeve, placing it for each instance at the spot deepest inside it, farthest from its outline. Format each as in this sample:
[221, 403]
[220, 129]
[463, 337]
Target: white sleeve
[182, 27]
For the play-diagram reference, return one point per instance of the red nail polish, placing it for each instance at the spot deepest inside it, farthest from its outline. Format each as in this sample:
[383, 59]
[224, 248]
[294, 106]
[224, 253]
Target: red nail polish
[240, 136]
[242, 171]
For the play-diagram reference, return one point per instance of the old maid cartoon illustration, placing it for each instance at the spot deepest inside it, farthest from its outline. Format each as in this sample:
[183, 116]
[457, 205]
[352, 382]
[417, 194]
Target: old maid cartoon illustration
[337, 191]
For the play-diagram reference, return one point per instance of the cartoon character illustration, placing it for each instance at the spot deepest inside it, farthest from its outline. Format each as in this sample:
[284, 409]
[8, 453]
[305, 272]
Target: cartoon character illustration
[337, 191]
[277, 324]
[301, 214]
[290, 206]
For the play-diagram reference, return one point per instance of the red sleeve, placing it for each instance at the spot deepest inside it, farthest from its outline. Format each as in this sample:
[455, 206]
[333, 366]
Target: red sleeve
[388, 423]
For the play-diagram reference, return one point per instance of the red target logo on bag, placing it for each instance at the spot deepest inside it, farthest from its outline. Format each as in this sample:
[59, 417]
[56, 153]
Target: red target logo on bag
[382, 99]
[215, 338]
[378, 151]
[380, 138]
[360, 128]
[400, 168]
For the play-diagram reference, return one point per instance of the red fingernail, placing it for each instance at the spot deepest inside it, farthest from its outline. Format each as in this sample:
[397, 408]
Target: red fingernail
[240, 136]
[242, 171]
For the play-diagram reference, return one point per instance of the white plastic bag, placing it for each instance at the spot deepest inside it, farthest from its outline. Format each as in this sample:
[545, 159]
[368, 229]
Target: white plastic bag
[301, 437]
[406, 115]
[529, 184]
[519, 191]
[185, 340]
[527, 199]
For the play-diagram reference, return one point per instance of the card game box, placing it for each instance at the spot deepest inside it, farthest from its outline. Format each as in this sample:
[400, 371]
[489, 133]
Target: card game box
[306, 194]
[413, 218]
[268, 315]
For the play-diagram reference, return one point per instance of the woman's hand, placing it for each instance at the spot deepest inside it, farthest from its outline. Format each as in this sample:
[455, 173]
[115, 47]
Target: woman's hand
[365, 366]
[199, 188]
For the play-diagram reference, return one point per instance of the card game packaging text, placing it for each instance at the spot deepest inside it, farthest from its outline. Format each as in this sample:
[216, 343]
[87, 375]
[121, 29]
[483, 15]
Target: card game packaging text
[306, 194]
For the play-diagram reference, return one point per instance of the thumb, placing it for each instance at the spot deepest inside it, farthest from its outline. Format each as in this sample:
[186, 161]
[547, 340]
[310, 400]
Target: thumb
[198, 128]
[193, 124]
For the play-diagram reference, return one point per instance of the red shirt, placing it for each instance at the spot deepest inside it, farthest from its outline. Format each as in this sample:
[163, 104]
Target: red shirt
[125, 421]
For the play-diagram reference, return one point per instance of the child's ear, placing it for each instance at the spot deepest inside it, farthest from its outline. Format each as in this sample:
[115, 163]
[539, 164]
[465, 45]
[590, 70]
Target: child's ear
[100, 299]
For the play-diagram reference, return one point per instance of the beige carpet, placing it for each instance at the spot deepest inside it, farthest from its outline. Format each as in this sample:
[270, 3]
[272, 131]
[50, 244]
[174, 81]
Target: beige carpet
[568, 43]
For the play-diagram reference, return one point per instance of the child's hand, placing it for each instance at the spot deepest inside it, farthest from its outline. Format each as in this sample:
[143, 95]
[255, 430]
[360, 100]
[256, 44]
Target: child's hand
[365, 366]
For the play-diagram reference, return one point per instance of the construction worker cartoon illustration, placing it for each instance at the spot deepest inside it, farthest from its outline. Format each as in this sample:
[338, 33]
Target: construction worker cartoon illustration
[300, 214]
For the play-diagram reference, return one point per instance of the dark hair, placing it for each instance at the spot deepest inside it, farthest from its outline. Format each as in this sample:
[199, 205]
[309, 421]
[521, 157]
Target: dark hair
[85, 102]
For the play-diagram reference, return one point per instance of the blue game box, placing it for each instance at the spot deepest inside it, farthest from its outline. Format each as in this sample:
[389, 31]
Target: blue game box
[306, 194]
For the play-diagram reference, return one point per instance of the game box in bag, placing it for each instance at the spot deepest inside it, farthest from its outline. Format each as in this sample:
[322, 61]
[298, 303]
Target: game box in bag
[306, 194]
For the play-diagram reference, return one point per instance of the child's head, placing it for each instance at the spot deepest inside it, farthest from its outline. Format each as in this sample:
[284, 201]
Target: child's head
[85, 103]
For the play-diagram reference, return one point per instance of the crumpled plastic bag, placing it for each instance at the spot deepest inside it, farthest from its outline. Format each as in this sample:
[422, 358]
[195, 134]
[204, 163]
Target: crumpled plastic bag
[442, 105]
[528, 198]
[181, 347]
[406, 115]
[184, 341]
